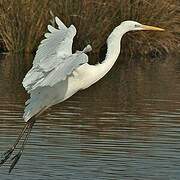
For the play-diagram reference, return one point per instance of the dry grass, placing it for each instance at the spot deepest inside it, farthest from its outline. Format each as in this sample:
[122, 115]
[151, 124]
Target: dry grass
[23, 22]
[92, 19]
[155, 12]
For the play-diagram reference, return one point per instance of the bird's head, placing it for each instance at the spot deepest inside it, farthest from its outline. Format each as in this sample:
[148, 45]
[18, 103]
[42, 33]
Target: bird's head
[135, 26]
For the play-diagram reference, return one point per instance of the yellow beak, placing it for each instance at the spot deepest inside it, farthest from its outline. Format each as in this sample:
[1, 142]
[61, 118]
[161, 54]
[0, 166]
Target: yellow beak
[152, 28]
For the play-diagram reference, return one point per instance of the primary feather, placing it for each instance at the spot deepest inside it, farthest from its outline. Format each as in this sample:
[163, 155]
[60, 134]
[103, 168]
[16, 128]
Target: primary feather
[53, 63]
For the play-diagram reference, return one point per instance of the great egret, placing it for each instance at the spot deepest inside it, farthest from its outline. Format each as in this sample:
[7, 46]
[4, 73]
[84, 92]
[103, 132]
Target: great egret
[57, 73]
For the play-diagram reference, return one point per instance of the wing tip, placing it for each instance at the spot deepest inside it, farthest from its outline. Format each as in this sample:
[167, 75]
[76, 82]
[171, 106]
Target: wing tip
[57, 19]
[51, 28]
[60, 23]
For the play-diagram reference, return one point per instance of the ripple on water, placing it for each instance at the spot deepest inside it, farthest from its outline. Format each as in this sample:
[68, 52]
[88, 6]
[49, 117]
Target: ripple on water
[124, 127]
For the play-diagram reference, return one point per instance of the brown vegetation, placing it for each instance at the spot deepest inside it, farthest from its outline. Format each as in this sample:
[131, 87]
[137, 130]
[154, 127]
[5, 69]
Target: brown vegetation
[23, 22]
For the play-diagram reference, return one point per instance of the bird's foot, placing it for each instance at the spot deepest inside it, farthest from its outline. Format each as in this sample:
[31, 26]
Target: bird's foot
[14, 160]
[6, 156]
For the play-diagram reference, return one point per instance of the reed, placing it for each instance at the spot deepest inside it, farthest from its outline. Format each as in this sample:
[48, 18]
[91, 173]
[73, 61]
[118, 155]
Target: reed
[23, 22]
[155, 12]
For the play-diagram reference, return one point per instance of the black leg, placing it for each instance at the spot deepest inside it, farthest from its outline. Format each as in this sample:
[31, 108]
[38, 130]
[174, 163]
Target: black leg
[28, 126]
[16, 158]
[8, 153]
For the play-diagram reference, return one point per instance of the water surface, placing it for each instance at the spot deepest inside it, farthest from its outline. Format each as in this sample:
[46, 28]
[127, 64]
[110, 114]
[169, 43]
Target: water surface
[127, 126]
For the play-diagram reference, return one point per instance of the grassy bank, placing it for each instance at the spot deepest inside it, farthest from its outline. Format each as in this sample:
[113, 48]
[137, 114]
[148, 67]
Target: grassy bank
[23, 22]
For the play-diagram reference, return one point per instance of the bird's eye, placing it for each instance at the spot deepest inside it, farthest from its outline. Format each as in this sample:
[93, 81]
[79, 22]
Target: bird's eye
[136, 25]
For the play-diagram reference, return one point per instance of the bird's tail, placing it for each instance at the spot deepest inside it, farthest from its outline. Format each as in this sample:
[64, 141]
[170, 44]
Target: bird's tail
[24, 135]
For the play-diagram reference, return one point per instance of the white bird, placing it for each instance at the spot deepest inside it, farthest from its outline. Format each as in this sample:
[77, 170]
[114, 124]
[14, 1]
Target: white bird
[57, 73]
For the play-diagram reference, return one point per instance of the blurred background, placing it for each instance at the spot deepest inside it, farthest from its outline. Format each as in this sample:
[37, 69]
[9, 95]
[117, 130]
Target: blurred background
[127, 126]
[23, 23]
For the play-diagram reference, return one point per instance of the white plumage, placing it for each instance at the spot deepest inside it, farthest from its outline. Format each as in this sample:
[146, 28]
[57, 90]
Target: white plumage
[52, 64]
[57, 73]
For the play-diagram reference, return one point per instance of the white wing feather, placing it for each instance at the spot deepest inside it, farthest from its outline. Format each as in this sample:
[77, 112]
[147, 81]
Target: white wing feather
[54, 60]
[42, 76]
[47, 81]
[57, 40]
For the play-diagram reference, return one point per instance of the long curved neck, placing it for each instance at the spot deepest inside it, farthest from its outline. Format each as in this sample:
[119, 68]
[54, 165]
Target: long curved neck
[113, 51]
[96, 72]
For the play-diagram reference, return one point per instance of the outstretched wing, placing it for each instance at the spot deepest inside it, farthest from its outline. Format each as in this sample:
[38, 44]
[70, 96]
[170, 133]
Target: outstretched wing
[58, 41]
[54, 60]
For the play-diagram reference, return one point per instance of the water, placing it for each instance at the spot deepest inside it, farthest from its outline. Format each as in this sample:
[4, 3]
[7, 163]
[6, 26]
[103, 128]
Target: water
[127, 126]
